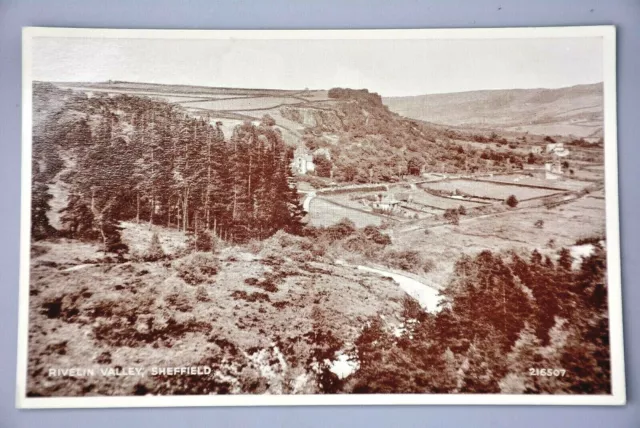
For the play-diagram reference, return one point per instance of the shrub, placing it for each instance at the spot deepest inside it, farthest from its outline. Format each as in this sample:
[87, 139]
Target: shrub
[197, 268]
[254, 246]
[178, 301]
[342, 229]
[452, 216]
[406, 260]
[202, 295]
[595, 240]
[462, 210]
[428, 265]
[512, 201]
[374, 234]
[323, 166]
[202, 240]
[539, 224]
[155, 251]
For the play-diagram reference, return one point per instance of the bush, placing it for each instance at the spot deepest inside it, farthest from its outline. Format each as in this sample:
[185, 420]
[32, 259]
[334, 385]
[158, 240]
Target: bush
[406, 260]
[323, 166]
[452, 216]
[374, 234]
[462, 210]
[202, 240]
[539, 224]
[202, 295]
[155, 251]
[512, 201]
[342, 229]
[178, 301]
[197, 268]
[594, 240]
[428, 265]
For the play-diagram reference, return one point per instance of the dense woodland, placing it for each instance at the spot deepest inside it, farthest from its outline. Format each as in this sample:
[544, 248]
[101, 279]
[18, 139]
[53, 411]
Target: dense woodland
[130, 158]
[501, 316]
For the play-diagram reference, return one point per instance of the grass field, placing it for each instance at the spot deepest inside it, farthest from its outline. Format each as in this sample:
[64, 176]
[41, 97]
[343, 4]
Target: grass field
[172, 89]
[512, 230]
[315, 95]
[489, 190]
[323, 213]
[245, 103]
[425, 198]
[517, 179]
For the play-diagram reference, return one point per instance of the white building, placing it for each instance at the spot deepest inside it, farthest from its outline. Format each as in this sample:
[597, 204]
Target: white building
[303, 161]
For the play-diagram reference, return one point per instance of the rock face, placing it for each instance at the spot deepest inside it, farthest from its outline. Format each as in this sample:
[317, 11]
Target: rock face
[313, 117]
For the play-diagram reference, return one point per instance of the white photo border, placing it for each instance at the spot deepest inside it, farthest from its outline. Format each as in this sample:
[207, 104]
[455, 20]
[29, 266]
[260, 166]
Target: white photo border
[618, 391]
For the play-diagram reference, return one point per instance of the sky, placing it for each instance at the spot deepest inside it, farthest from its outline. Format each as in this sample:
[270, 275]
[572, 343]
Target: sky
[389, 67]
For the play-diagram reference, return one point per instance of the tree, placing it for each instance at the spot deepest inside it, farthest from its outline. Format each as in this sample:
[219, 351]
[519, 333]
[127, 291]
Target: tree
[414, 166]
[525, 354]
[536, 258]
[565, 260]
[155, 251]
[40, 197]
[323, 166]
[349, 173]
[78, 218]
[512, 201]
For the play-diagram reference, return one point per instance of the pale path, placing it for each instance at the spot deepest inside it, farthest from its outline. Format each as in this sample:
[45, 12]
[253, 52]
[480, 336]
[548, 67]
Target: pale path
[428, 296]
[307, 201]
[78, 267]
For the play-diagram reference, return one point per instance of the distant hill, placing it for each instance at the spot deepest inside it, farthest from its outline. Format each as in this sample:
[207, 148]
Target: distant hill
[575, 110]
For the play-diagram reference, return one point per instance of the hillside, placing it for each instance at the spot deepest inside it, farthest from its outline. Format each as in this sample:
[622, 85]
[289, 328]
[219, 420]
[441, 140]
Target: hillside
[575, 110]
[361, 138]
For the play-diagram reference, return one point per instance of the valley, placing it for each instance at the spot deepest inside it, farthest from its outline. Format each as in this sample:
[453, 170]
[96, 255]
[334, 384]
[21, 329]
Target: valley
[309, 241]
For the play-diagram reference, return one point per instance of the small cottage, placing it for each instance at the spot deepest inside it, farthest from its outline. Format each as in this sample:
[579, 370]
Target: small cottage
[302, 161]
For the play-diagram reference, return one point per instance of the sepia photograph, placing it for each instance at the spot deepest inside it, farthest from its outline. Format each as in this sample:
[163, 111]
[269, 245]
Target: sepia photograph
[307, 217]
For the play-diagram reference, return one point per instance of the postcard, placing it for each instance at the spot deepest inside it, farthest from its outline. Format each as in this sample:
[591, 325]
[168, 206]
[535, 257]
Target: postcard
[325, 217]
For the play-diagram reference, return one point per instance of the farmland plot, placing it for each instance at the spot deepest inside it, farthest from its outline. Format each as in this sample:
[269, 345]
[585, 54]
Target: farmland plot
[489, 190]
[323, 213]
[514, 230]
[522, 179]
[441, 202]
[246, 103]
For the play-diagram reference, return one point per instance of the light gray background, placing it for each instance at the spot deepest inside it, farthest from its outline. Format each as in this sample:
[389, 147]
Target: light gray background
[240, 14]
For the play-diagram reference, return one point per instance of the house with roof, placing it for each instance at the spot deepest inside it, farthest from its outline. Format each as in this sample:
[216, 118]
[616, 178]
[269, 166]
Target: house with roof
[302, 161]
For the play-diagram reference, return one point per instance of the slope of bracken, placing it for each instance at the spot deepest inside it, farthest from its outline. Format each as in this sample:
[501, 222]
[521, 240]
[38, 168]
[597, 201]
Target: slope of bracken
[366, 142]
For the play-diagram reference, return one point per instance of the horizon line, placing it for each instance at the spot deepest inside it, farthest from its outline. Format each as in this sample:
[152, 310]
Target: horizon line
[601, 82]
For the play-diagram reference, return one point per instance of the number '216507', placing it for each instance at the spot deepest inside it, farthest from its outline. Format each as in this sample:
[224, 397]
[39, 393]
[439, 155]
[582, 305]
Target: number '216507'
[547, 372]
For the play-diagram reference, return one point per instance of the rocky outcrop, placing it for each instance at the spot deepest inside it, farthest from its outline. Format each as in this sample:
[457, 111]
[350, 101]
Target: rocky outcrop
[313, 117]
